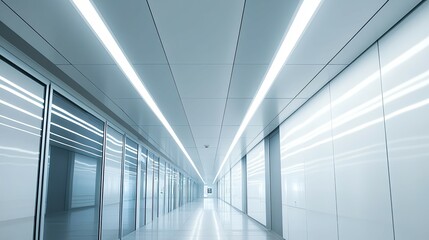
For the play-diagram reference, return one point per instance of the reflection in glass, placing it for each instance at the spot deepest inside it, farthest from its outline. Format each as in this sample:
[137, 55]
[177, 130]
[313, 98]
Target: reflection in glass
[236, 186]
[167, 188]
[228, 187]
[143, 163]
[21, 112]
[155, 187]
[176, 189]
[112, 185]
[161, 187]
[256, 203]
[149, 188]
[129, 197]
[72, 201]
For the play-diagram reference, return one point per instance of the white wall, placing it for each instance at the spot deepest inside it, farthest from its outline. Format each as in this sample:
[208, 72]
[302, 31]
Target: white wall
[355, 157]
[404, 58]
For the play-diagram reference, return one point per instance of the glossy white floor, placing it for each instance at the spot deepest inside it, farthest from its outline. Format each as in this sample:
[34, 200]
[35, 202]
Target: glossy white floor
[203, 219]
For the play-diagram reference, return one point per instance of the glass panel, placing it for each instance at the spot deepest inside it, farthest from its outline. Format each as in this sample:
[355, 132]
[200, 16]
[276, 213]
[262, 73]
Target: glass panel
[74, 167]
[149, 188]
[129, 197]
[143, 163]
[228, 187]
[112, 184]
[167, 188]
[155, 186]
[256, 203]
[236, 186]
[161, 187]
[176, 189]
[21, 114]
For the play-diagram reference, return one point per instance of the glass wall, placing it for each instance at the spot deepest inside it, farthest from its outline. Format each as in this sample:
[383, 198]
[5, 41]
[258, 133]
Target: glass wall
[112, 184]
[74, 167]
[167, 188]
[143, 166]
[161, 187]
[21, 117]
[129, 197]
[228, 187]
[155, 200]
[176, 190]
[149, 188]
[75, 179]
[256, 199]
[236, 186]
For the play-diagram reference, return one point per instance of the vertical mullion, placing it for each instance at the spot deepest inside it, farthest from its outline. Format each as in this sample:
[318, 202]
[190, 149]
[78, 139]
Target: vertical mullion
[101, 197]
[43, 166]
[121, 205]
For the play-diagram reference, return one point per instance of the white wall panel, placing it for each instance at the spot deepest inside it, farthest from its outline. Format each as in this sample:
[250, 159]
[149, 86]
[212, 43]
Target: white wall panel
[308, 187]
[363, 194]
[256, 199]
[404, 57]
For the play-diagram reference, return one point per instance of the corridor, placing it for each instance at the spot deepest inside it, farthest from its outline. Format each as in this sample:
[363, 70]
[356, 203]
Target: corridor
[207, 219]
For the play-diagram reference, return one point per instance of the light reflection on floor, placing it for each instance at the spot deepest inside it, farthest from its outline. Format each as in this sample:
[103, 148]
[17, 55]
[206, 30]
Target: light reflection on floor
[207, 219]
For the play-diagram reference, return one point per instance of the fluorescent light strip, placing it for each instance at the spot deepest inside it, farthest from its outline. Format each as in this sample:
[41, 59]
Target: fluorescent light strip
[300, 22]
[94, 20]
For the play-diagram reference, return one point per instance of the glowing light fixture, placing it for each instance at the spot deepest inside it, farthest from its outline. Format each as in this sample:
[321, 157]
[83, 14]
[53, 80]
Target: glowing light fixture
[299, 23]
[94, 20]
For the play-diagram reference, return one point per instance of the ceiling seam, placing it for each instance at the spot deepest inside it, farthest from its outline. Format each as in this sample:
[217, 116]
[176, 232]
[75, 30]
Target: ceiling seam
[174, 80]
[317, 74]
[47, 42]
[229, 85]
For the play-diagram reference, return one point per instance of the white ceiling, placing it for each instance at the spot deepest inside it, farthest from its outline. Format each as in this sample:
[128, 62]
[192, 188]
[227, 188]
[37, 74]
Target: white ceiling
[202, 61]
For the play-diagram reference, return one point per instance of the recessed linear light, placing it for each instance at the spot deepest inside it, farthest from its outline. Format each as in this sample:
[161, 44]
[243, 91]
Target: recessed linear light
[300, 22]
[90, 14]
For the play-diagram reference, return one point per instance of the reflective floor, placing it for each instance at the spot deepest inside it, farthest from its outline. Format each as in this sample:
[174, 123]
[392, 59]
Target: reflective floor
[203, 219]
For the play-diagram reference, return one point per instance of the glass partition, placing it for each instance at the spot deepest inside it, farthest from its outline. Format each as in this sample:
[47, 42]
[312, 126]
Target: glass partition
[112, 184]
[74, 169]
[129, 197]
[149, 188]
[161, 187]
[143, 166]
[256, 202]
[155, 187]
[21, 117]
[236, 186]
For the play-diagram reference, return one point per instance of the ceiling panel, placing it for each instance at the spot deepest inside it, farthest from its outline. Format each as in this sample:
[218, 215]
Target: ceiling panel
[331, 29]
[206, 131]
[211, 142]
[246, 80]
[202, 81]
[64, 29]
[132, 25]
[109, 79]
[190, 29]
[21, 28]
[202, 112]
[264, 24]
[235, 110]
[229, 131]
[138, 110]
